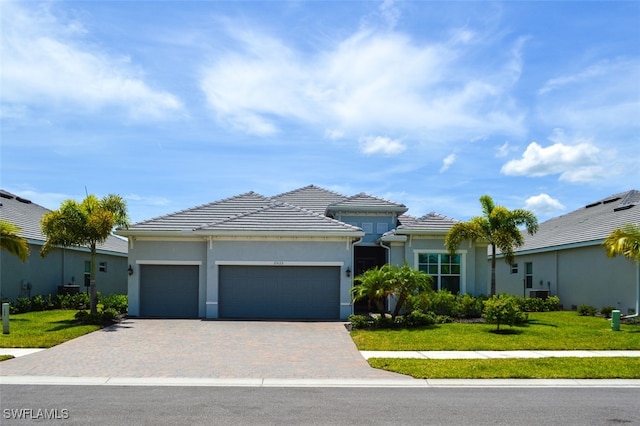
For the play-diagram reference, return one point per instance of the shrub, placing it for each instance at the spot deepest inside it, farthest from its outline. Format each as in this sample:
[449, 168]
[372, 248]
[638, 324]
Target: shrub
[587, 310]
[118, 302]
[383, 321]
[467, 306]
[359, 322]
[418, 319]
[443, 302]
[553, 303]
[503, 309]
[606, 311]
[20, 305]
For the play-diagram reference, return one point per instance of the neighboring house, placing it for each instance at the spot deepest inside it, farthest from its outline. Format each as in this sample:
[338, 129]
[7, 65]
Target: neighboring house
[566, 258]
[292, 256]
[62, 266]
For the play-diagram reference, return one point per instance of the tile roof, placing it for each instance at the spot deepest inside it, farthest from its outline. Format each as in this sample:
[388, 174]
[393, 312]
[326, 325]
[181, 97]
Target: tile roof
[311, 197]
[205, 214]
[588, 225]
[431, 223]
[280, 217]
[27, 215]
[362, 201]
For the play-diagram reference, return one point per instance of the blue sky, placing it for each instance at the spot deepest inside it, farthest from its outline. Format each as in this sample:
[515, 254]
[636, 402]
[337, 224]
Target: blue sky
[173, 104]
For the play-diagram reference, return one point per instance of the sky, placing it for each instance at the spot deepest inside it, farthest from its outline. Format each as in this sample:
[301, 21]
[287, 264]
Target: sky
[175, 104]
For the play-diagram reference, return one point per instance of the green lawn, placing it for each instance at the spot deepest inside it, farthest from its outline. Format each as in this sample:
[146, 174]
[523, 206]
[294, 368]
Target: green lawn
[546, 330]
[538, 368]
[43, 329]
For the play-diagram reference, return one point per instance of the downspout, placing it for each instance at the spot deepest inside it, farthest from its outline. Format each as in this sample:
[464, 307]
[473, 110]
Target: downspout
[353, 266]
[637, 293]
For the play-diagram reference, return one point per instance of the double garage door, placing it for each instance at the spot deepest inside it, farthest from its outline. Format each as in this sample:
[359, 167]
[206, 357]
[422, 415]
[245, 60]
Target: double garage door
[244, 292]
[279, 292]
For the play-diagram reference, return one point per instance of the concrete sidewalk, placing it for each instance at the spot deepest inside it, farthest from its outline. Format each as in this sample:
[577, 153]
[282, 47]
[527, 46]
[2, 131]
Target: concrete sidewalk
[18, 352]
[495, 354]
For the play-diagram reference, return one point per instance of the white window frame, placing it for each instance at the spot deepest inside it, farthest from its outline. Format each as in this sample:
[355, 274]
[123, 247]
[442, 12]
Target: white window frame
[463, 264]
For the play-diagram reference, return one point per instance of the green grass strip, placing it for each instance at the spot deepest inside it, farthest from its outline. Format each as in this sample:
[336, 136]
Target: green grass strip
[43, 329]
[546, 331]
[538, 368]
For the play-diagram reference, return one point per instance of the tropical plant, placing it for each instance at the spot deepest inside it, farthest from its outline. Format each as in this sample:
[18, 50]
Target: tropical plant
[88, 224]
[499, 227]
[406, 282]
[624, 241]
[374, 286]
[378, 283]
[12, 242]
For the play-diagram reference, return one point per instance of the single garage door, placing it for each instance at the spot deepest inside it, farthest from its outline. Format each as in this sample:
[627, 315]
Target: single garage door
[169, 291]
[279, 292]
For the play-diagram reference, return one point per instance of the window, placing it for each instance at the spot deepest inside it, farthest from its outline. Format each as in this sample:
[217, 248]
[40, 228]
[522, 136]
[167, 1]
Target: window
[528, 274]
[102, 266]
[367, 227]
[444, 268]
[382, 227]
[514, 268]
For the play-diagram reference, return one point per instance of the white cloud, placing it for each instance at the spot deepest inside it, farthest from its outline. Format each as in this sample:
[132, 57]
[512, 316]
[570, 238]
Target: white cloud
[45, 59]
[543, 204]
[381, 145]
[574, 163]
[372, 81]
[505, 149]
[448, 162]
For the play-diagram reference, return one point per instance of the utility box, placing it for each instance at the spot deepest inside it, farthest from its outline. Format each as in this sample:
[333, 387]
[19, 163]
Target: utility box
[615, 320]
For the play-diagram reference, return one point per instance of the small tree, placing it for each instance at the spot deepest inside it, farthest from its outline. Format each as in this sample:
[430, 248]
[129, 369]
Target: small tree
[378, 283]
[499, 227]
[624, 241]
[406, 282]
[88, 224]
[374, 286]
[503, 309]
[12, 242]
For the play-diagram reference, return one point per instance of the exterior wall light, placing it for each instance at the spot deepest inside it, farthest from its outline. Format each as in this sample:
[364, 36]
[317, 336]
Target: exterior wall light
[348, 272]
[130, 270]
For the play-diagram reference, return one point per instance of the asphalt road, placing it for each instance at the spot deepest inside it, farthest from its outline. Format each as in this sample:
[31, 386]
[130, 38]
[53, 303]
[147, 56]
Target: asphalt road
[150, 405]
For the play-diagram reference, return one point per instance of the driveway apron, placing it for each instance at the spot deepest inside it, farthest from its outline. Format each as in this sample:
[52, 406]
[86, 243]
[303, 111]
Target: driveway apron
[204, 349]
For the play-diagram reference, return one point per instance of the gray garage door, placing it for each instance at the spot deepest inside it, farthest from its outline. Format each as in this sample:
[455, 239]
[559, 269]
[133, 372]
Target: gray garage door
[169, 291]
[279, 292]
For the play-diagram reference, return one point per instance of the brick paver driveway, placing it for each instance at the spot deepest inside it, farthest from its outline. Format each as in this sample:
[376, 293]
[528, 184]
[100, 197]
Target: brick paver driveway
[204, 349]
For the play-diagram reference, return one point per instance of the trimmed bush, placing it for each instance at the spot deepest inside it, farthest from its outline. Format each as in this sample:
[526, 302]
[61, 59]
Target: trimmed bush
[587, 310]
[360, 322]
[606, 311]
[117, 302]
[503, 309]
[418, 319]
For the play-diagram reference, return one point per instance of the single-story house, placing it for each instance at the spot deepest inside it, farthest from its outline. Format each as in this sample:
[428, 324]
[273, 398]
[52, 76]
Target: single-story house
[566, 258]
[68, 267]
[289, 256]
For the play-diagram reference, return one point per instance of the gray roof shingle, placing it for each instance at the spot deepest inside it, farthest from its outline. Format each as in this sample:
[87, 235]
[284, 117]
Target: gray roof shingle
[430, 223]
[311, 197]
[362, 202]
[27, 215]
[588, 225]
[205, 214]
[280, 217]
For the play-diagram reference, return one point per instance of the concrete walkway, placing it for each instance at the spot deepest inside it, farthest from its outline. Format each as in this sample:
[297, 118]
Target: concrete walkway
[495, 354]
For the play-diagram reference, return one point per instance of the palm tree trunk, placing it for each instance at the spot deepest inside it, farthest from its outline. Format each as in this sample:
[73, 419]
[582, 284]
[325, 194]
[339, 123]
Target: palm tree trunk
[493, 270]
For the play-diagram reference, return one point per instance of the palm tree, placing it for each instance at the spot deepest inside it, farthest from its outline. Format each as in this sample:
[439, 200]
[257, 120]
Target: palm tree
[624, 241]
[406, 282]
[374, 286]
[12, 242]
[88, 224]
[499, 227]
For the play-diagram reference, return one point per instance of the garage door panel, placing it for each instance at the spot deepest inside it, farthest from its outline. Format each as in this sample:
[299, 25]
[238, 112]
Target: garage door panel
[169, 291]
[294, 292]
